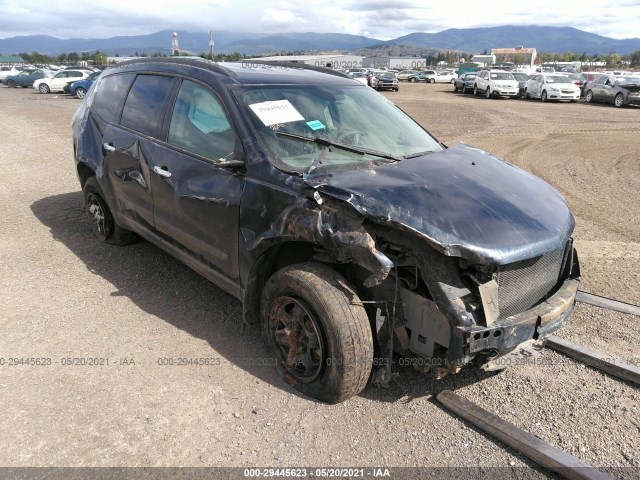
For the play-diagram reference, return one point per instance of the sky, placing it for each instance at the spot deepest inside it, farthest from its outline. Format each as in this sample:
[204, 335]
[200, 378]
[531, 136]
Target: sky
[381, 19]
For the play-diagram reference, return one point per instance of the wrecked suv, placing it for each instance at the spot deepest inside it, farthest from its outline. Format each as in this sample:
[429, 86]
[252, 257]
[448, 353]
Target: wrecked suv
[347, 231]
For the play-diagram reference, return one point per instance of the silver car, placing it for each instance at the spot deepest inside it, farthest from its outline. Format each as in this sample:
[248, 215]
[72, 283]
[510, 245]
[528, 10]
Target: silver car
[620, 91]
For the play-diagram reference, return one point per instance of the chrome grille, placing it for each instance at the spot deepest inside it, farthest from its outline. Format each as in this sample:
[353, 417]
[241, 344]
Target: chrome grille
[523, 284]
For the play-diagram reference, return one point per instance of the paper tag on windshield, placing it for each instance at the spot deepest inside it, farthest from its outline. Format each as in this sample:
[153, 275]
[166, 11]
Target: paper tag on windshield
[279, 111]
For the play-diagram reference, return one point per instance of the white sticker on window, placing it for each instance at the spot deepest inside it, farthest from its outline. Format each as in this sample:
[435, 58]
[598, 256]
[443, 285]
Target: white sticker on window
[279, 111]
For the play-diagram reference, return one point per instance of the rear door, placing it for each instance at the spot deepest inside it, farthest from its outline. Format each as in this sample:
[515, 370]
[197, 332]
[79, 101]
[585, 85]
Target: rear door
[196, 200]
[129, 145]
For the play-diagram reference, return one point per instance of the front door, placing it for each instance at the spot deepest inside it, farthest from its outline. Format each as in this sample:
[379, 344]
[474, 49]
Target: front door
[196, 200]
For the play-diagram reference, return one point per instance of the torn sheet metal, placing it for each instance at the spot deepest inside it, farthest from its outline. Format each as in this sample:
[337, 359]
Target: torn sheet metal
[333, 225]
[463, 201]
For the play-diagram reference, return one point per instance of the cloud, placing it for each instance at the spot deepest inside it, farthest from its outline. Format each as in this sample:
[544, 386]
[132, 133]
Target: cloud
[383, 19]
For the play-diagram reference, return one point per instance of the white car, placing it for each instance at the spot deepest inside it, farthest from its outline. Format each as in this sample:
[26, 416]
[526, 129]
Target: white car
[6, 71]
[551, 86]
[359, 76]
[405, 74]
[59, 80]
[442, 77]
[496, 83]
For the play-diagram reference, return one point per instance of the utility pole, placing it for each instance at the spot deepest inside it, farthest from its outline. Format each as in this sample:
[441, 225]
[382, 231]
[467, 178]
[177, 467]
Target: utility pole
[211, 45]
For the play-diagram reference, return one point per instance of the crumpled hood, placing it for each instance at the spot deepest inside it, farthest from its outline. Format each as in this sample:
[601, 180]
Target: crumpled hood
[464, 201]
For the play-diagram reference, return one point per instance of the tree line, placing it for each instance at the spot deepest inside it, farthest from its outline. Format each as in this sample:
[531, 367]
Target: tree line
[101, 58]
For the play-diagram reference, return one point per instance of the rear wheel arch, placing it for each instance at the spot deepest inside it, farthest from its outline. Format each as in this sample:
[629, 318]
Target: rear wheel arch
[84, 173]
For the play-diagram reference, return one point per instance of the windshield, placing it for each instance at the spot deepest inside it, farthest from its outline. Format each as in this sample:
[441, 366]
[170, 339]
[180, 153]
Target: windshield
[521, 77]
[558, 79]
[305, 127]
[502, 76]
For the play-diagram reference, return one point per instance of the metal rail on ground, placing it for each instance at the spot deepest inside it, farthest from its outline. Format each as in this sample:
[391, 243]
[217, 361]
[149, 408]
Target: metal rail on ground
[607, 363]
[536, 449]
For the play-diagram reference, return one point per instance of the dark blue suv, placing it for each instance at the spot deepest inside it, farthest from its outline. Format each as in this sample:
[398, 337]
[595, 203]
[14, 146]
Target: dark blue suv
[347, 231]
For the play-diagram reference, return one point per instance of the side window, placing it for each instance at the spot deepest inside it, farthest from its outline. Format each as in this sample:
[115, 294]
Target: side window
[75, 74]
[199, 124]
[144, 105]
[109, 94]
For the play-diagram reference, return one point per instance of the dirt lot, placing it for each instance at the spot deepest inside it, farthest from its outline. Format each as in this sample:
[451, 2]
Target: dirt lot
[65, 295]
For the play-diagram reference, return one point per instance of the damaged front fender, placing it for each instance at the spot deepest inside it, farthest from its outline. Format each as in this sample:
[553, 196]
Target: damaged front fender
[334, 226]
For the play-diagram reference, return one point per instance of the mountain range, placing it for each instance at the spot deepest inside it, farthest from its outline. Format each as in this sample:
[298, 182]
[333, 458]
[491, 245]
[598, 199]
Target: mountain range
[475, 40]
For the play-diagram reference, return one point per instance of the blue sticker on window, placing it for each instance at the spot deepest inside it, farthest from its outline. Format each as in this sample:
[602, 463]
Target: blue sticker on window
[315, 125]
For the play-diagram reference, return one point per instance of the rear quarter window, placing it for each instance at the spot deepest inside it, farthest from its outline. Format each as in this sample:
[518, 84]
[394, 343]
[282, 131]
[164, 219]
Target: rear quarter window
[109, 94]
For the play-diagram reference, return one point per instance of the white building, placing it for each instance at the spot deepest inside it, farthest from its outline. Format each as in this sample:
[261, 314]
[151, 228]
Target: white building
[484, 60]
[331, 61]
[395, 63]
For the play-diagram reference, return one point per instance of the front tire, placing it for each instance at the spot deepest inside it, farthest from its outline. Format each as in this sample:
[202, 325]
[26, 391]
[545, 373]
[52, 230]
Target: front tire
[543, 96]
[100, 218]
[589, 96]
[80, 92]
[318, 329]
[412, 80]
[44, 88]
[487, 93]
[11, 84]
[618, 101]
[455, 88]
[475, 90]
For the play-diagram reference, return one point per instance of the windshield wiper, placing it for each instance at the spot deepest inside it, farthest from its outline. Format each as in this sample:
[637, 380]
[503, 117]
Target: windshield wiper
[419, 154]
[328, 143]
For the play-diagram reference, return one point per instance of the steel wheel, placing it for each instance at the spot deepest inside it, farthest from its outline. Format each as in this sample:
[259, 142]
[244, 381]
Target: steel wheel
[318, 331]
[298, 338]
[619, 100]
[44, 88]
[80, 92]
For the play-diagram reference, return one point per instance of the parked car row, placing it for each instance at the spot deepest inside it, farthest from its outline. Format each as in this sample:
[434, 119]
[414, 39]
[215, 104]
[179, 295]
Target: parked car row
[73, 81]
[546, 86]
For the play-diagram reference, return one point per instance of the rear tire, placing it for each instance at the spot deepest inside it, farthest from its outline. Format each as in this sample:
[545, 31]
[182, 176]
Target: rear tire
[11, 84]
[412, 80]
[319, 331]
[100, 218]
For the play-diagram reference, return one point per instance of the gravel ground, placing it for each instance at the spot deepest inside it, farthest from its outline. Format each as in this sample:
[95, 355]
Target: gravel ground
[65, 295]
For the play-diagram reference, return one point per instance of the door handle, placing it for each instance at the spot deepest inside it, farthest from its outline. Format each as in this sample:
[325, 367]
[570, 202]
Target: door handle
[108, 148]
[162, 171]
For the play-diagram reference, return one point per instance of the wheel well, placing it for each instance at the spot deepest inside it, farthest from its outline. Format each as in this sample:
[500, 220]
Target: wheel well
[274, 259]
[84, 173]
